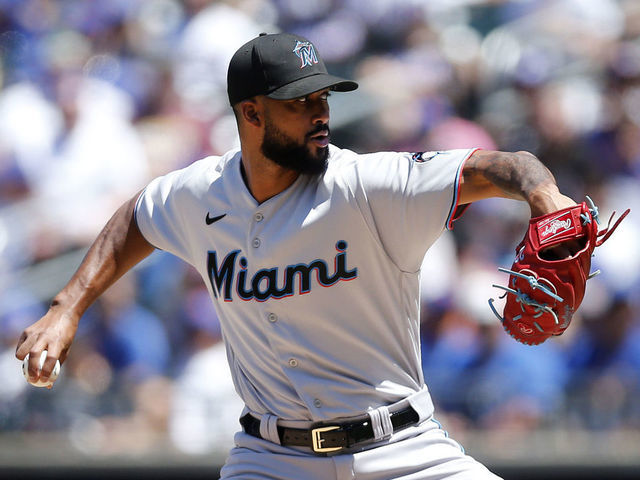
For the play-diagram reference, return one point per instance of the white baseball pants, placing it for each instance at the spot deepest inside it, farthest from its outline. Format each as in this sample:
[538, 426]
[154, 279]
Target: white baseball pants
[423, 452]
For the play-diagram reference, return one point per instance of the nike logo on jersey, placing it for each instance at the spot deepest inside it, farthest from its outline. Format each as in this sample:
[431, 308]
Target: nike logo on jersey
[211, 220]
[266, 283]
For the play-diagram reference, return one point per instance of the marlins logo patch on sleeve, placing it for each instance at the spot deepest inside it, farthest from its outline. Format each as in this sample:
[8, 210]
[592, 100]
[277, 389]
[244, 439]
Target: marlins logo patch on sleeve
[422, 157]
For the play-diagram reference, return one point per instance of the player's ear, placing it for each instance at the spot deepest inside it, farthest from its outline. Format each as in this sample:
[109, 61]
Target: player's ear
[250, 112]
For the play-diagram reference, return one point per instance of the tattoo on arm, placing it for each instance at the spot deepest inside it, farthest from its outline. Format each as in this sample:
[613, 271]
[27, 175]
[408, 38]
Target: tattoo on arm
[517, 174]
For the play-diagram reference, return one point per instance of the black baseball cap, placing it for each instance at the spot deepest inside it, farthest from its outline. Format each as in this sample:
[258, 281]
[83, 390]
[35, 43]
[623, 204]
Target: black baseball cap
[281, 66]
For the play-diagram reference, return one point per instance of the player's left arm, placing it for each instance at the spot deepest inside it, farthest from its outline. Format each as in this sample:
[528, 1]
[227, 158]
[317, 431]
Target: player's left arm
[516, 175]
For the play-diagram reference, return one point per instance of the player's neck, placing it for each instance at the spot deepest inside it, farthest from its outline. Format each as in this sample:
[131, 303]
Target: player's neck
[264, 178]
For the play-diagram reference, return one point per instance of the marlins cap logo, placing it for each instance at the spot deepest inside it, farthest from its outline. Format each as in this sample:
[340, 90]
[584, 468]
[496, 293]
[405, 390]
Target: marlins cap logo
[306, 53]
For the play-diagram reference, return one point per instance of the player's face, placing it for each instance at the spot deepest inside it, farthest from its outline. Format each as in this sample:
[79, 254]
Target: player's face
[296, 133]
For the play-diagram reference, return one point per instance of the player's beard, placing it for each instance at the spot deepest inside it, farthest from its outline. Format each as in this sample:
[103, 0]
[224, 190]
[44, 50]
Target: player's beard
[283, 150]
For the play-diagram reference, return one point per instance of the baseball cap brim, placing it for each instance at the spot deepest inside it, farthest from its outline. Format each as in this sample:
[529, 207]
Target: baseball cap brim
[304, 86]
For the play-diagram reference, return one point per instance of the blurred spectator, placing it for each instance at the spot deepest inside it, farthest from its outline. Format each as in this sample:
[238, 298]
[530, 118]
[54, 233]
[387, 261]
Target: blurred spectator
[205, 407]
[16, 314]
[133, 340]
[605, 359]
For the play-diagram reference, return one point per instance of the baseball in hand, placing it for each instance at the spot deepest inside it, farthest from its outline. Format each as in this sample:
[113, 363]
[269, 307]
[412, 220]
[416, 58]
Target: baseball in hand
[39, 383]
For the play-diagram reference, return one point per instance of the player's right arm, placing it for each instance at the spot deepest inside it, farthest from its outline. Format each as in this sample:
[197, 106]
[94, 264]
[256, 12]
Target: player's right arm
[118, 248]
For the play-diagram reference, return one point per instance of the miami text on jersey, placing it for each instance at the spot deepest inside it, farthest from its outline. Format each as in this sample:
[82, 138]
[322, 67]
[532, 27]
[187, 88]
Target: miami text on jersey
[264, 284]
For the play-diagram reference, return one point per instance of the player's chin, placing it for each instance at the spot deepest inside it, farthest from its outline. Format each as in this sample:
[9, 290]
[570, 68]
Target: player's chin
[320, 154]
[316, 163]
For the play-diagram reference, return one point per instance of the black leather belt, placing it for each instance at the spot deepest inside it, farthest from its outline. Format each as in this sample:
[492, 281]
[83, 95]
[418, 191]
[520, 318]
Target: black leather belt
[325, 438]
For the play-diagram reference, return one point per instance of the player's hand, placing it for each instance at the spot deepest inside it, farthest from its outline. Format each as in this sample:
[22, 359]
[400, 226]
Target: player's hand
[548, 199]
[54, 332]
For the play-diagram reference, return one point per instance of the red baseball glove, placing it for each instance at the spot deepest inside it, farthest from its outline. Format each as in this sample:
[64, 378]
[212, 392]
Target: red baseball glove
[548, 277]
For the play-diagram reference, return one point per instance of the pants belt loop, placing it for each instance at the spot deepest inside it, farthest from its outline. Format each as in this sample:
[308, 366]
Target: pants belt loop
[269, 428]
[381, 422]
[421, 402]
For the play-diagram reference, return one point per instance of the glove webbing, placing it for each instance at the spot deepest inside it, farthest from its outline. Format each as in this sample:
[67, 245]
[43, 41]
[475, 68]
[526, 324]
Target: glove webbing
[524, 299]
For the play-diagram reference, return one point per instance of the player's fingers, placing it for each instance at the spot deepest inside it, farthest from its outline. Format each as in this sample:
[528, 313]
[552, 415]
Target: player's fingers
[571, 247]
[25, 342]
[33, 367]
[55, 352]
[34, 358]
[49, 363]
[563, 250]
[63, 355]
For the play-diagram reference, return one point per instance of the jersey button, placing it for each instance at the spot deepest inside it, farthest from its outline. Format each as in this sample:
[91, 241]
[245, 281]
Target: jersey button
[258, 217]
[256, 242]
[317, 403]
[273, 318]
[293, 362]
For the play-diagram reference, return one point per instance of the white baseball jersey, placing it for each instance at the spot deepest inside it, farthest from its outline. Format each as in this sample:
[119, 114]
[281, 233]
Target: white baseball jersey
[317, 288]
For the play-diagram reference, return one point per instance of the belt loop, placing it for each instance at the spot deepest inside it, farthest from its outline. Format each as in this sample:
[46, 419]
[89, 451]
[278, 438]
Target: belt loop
[387, 426]
[269, 428]
[381, 423]
[421, 402]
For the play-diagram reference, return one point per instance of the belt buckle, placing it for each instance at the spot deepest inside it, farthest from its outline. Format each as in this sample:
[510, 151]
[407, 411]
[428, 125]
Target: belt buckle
[317, 440]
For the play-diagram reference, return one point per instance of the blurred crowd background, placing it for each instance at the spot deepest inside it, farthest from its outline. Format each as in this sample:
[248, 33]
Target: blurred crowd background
[98, 97]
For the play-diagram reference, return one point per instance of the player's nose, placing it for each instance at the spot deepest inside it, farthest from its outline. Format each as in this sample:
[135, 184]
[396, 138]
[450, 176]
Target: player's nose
[320, 112]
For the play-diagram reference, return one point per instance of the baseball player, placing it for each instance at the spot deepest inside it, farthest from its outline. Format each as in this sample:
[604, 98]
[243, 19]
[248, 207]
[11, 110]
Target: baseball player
[311, 255]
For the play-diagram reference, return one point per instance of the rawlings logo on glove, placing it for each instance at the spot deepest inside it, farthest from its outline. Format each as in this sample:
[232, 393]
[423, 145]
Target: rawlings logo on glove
[548, 231]
[545, 289]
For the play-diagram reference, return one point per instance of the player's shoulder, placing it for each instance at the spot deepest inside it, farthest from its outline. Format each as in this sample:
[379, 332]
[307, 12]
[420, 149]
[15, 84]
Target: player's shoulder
[374, 163]
[392, 170]
[350, 165]
[346, 163]
[202, 173]
[343, 157]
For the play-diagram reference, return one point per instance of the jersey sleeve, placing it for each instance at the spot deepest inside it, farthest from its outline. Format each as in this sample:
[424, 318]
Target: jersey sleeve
[158, 215]
[412, 199]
